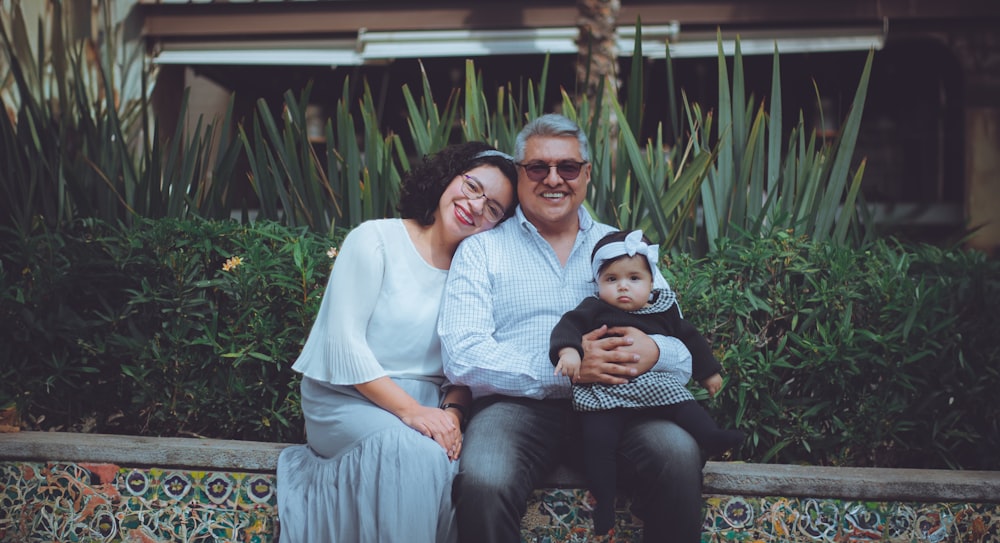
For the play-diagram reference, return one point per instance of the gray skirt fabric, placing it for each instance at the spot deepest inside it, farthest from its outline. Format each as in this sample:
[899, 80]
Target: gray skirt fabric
[364, 475]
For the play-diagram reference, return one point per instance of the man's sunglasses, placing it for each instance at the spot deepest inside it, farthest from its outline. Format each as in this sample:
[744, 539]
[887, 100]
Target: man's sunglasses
[538, 171]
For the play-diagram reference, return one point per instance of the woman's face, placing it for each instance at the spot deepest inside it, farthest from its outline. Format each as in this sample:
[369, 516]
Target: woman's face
[463, 206]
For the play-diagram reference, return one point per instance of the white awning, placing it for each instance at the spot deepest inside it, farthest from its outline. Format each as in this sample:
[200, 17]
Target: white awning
[763, 42]
[260, 52]
[377, 47]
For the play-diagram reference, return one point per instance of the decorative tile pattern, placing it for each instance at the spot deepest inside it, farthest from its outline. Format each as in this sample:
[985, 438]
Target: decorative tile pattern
[734, 518]
[563, 516]
[65, 502]
[104, 503]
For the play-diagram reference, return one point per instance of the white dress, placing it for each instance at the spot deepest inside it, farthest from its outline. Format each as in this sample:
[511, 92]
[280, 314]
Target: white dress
[364, 475]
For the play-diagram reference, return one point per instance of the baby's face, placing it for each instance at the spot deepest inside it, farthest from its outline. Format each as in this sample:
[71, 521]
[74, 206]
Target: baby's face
[626, 283]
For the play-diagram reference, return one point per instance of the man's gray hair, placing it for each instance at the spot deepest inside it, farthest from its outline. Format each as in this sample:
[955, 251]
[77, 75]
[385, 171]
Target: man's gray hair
[551, 125]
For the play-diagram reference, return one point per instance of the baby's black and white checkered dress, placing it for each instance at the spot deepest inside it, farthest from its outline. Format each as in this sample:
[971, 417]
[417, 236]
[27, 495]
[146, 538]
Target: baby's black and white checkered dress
[647, 390]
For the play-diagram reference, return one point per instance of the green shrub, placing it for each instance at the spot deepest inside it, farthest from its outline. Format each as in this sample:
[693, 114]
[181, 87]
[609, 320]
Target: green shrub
[55, 292]
[142, 331]
[216, 322]
[834, 356]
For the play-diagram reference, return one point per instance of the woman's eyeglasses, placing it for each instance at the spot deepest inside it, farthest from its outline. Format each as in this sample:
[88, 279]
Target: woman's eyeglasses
[473, 190]
[538, 171]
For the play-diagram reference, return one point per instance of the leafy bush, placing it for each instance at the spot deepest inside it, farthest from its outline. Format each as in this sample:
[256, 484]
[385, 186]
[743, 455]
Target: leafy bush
[220, 313]
[833, 356]
[55, 289]
[167, 328]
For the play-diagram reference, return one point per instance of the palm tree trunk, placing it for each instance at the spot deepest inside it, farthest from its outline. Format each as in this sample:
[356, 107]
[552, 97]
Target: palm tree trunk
[597, 61]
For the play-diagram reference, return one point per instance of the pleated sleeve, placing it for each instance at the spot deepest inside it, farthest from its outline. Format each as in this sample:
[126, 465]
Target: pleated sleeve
[337, 349]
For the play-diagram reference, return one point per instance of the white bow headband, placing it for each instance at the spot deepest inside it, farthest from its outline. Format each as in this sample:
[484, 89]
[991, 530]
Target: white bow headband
[631, 246]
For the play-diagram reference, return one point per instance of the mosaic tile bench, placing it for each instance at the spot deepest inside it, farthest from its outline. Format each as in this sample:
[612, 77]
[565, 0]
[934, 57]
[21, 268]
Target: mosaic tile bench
[90, 488]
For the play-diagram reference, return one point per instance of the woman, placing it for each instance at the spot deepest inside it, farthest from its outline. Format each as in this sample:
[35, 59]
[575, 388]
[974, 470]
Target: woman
[383, 426]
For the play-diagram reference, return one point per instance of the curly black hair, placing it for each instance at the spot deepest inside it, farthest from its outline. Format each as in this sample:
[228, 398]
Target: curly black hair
[424, 184]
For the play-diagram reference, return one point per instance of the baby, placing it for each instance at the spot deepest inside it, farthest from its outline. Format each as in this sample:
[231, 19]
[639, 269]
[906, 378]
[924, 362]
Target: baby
[631, 291]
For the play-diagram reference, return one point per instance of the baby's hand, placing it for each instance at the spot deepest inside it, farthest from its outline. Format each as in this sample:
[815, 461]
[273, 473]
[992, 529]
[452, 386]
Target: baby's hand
[568, 367]
[712, 384]
[569, 363]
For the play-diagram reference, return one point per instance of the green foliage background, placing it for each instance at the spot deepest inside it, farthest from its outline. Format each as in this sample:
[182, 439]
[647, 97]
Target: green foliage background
[831, 356]
[142, 331]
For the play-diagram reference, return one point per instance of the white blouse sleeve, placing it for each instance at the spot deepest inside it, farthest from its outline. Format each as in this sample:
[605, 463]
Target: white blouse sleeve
[337, 350]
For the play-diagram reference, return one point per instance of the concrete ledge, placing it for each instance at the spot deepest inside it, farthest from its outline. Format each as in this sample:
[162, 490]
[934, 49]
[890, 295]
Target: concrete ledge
[137, 451]
[725, 478]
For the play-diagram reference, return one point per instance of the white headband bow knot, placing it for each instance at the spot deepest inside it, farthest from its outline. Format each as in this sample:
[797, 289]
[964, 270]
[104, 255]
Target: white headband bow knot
[633, 243]
[631, 246]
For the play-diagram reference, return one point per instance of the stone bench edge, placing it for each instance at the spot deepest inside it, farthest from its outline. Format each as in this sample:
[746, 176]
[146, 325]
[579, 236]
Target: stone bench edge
[721, 478]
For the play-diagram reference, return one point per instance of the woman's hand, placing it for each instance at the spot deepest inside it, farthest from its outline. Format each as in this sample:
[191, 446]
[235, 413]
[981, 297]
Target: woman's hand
[430, 421]
[456, 449]
[437, 424]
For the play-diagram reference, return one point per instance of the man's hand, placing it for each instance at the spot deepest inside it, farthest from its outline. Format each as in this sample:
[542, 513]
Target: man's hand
[641, 345]
[613, 356]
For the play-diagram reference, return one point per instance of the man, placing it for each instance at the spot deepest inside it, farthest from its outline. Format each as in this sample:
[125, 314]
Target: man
[506, 290]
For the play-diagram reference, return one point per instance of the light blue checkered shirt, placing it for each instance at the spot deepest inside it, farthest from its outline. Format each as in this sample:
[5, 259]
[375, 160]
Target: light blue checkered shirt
[505, 292]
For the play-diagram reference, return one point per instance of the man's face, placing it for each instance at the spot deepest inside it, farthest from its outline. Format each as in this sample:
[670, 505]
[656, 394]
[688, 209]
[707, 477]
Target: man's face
[552, 201]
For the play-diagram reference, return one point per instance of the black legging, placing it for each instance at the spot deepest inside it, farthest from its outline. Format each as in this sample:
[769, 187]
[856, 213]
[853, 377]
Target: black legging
[601, 431]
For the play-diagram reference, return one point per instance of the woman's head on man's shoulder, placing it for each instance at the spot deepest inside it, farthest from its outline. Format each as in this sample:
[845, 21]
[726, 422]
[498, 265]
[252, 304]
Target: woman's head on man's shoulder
[423, 185]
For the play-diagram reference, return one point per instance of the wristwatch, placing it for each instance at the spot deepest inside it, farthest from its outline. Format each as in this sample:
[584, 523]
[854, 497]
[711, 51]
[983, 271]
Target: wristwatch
[461, 409]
